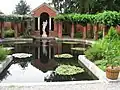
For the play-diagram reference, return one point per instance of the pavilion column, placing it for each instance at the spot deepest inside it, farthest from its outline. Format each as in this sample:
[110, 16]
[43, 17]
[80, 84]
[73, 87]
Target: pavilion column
[38, 23]
[84, 32]
[49, 23]
[72, 31]
[55, 28]
[60, 29]
[95, 32]
[2, 30]
[16, 31]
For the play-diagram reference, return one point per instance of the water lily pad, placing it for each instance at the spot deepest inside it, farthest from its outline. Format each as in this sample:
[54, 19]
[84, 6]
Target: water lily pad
[71, 42]
[20, 42]
[78, 49]
[21, 55]
[68, 70]
[63, 56]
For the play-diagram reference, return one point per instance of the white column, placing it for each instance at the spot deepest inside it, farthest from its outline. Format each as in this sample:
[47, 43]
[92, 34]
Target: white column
[38, 23]
[49, 23]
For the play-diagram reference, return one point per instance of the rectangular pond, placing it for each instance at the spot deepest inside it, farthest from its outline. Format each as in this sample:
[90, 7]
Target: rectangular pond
[41, 66]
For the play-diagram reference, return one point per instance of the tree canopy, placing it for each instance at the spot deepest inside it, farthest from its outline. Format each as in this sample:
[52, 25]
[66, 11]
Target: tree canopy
[22, 8]
[85, 6]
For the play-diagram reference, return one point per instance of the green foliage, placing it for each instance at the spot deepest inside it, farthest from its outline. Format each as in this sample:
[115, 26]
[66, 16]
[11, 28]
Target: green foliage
[9, 33]
[3, 53]
[14, 17]
[68, 70]
[106, 49]
[78, 35]
[96, 51]
[108, 18]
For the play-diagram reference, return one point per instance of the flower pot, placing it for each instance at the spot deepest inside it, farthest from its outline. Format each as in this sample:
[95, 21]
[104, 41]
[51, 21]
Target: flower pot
[112, 73]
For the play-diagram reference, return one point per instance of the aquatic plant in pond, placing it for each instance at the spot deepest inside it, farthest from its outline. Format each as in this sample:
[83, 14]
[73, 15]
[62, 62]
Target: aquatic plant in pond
[68, 70]
[63, 56]
[78, 49]
[21, 55]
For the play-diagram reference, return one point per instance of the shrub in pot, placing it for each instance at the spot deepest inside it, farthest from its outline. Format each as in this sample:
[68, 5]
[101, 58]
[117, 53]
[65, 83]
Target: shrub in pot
[113, 69]
[112, 55]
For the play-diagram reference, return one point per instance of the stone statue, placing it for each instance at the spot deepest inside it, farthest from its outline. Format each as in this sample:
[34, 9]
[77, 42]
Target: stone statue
[43, 29]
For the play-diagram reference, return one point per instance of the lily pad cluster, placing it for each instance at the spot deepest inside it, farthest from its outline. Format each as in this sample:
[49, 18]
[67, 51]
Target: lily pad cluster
[78, 49]
[21, 55]
[63, 56]
[68, 70]
[70, 42]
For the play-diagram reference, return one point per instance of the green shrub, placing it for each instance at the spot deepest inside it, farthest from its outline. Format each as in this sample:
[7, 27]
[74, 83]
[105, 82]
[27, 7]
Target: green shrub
[9, 33]
[78, 35]
[108, 47]
[3, 53]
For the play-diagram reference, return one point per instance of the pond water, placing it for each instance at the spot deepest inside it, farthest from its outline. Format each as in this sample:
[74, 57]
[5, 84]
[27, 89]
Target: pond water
[40, 67]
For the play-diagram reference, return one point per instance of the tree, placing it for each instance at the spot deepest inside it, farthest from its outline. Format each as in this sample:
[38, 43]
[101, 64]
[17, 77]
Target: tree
[86, 6]
[22, 8]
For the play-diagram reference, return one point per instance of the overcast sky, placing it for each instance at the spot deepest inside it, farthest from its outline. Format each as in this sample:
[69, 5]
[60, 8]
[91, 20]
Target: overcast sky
[7, 6]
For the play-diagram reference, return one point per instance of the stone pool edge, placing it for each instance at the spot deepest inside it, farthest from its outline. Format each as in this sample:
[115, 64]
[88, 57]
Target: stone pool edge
[5, 63]
[100, 74]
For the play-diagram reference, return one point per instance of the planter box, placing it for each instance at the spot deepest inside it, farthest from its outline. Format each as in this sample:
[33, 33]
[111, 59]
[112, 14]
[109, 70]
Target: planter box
[5, 63]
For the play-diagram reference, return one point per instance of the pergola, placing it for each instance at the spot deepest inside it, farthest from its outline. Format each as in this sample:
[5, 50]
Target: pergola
[16, 19]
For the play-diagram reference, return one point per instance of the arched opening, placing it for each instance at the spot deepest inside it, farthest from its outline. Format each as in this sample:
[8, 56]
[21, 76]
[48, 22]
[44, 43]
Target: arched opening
[43, 17]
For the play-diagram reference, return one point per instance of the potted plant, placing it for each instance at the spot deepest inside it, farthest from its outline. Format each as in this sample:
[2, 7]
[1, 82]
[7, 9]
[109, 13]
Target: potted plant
[113, 69]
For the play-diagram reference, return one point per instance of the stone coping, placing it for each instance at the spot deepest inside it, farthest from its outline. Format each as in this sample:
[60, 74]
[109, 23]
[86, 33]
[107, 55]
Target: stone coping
[5, 40]
[75, 40]
[92, 67]
[5, 63]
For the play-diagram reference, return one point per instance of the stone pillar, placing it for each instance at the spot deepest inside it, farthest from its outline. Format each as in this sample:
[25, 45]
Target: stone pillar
[2, 30]
[49, 23]
[60, 30]
[84, 32]
[16, 31]
[95, 32]
[72, 31]
[38, 23]
[33, 24]
[104, 31]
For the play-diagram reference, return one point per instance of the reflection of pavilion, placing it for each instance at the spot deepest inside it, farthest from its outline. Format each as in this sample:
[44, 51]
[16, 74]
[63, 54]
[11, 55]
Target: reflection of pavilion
[50, 65]
[44, 56]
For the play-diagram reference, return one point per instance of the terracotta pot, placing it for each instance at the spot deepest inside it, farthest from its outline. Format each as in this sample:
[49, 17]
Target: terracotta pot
[112, 73]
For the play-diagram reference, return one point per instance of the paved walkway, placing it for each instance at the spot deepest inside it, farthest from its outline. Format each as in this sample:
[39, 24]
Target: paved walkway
[80, 85]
